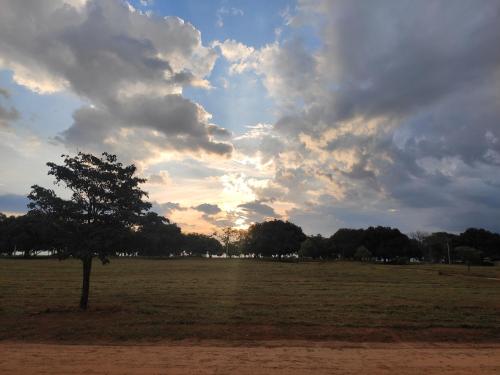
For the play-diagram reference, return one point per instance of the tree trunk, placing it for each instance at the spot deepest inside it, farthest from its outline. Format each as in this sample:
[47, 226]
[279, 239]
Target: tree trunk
[449, 256]
[84, 299]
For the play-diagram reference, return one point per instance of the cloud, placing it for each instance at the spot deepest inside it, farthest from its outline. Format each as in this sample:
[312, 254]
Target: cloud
[233, 51]
[6, 114]
[288, 69]
[258, 207]
[130, 67]
[257, 211]
[219, 132]
[166, 208]
[13, 203]
[173, 123]
[161, 178]
[190, 169]
[260, 140]
[225, 11]
[207, 208]
[389, 106]
[215, 216]
[5, 93]
[387, 113]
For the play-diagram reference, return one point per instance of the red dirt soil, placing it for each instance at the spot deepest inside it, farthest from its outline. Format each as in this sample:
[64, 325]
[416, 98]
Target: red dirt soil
[268, 357]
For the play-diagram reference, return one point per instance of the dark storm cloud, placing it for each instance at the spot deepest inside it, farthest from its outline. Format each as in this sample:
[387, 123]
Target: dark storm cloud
[397, 56]
[432, 66]
[409, 93]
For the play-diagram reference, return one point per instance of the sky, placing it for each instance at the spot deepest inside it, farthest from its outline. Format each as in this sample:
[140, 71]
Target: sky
[327, 113]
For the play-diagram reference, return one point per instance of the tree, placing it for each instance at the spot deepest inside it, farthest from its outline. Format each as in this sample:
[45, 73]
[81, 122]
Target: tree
[200, 244]
[31, 233]
[362, 254]
[469, 255]
[4, 245]
[346, 241]
[316, 247]
[308, 249]
[274, 238]
[229, 237]
[440, 245]
[156, 236]
[386, 243]
[105, 203]
[28, 234]
[481, 239]
[418, 246]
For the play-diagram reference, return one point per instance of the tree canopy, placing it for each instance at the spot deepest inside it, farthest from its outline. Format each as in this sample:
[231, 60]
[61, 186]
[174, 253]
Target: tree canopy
[275, 237]
[105, 203]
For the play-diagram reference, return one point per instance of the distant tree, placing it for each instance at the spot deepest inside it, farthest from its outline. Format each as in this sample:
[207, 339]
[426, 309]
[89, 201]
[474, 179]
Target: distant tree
[469, 255]
[10, 235]
[105, 203]
[362, 254]
[419, 246]
[316, 247]
[7, 243]
[386, 243]
[346, 241]
[308, 249]
[230, 238]
[274, 238]
[4, 246]
[238, 247]
[197, 244]
[439, 245]
[419, 236]
[31, 233]
[156, 236]
[481, 239]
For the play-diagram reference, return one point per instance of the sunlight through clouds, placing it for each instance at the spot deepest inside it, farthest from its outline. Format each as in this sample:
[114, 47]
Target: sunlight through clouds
[325, 112]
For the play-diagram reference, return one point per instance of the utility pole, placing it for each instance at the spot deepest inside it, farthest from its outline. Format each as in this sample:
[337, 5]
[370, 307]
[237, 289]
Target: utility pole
[448, 246]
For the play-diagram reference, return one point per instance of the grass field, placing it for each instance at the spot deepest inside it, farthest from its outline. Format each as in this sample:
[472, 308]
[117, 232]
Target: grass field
[141, 299]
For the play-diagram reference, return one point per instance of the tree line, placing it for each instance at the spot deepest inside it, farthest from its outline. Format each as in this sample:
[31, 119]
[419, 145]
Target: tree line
[107, 215]
[155, 236]
[389, 245]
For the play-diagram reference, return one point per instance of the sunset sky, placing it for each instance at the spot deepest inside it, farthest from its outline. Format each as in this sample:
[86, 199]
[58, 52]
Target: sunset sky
[327, 113]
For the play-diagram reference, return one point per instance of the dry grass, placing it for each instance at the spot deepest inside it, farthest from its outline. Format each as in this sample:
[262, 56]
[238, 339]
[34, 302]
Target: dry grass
[140, 299]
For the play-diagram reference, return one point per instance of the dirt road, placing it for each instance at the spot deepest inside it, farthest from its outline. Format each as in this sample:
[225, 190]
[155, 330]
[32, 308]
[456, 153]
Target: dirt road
[259, 358]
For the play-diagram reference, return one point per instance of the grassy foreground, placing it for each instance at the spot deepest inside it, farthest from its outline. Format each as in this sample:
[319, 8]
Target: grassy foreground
[141, 299]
